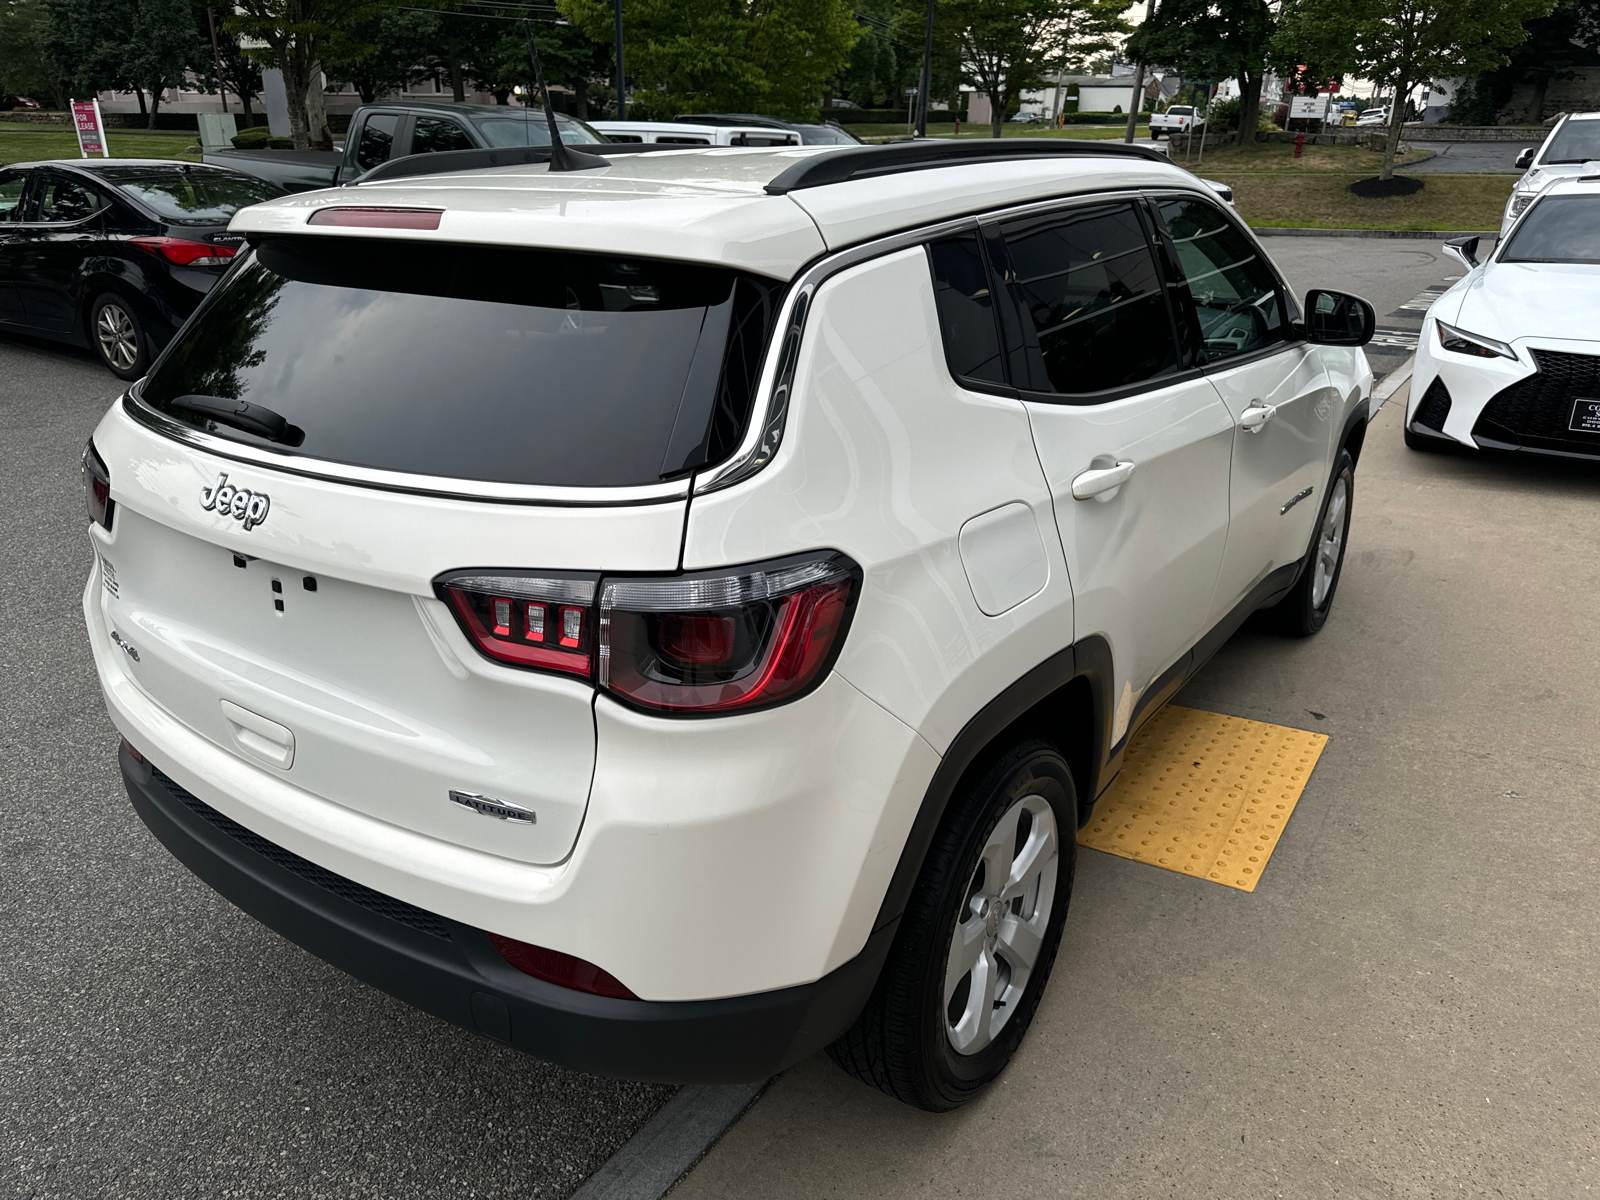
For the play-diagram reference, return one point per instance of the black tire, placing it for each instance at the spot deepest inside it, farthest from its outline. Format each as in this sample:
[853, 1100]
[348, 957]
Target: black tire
[1298, 614]
[117, 336]
[900, 1043]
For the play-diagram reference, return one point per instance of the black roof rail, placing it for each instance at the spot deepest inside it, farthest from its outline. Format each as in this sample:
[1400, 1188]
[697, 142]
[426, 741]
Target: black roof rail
[864, 162]
[446, 162]
[732, 119]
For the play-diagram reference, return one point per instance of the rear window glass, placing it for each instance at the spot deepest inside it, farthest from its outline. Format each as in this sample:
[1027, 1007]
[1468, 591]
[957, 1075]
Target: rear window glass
[476, 362]
[1560, 229]
[194, 196]
[533, 130]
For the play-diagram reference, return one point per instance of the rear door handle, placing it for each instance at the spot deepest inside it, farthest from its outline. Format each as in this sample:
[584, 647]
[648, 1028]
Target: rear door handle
[1097, 483]
[1254, 419]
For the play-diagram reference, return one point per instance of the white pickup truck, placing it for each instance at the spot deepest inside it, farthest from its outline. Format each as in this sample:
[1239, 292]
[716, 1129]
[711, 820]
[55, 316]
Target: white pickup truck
[1179, 119]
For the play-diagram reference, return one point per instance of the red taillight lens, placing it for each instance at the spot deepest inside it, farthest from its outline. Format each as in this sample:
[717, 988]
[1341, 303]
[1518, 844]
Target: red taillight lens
[552, 966]
[716, 643]
[527, 619]
[708, 642]
[97, 487]
[181, 252]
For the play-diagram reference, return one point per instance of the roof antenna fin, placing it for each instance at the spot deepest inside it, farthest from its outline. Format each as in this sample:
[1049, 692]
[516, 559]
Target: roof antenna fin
[561, 159]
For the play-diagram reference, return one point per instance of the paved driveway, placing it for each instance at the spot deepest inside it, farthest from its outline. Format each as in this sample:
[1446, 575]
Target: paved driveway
[1470, 156]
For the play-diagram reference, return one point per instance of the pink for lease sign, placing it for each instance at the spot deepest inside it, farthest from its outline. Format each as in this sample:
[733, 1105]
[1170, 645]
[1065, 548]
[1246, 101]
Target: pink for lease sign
[91, 129]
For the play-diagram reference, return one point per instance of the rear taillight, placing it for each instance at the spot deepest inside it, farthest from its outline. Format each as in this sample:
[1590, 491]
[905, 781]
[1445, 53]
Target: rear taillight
[181, 252]
[552, 966]
[532, 620]
[97, 486]
[702, 643]
[713, 642]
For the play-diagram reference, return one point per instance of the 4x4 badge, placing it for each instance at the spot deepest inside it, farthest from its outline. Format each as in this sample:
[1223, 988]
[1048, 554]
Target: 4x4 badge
[231, 501]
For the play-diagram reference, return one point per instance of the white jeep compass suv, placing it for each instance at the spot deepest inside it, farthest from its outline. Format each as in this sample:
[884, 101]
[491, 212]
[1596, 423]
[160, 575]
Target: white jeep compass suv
[673, 617]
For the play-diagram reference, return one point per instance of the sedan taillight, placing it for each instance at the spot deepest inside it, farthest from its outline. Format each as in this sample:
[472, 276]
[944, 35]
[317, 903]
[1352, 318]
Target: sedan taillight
[701, 643]
[181, 252]
[97, 487]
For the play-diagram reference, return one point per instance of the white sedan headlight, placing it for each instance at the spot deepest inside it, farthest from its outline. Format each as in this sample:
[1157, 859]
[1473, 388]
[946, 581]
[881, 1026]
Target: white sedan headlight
[1462, 342]
[1519, 201]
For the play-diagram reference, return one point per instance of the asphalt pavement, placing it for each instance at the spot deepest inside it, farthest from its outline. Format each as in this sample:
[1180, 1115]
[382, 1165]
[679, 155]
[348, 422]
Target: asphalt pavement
[155, 1042]
[1470, 157]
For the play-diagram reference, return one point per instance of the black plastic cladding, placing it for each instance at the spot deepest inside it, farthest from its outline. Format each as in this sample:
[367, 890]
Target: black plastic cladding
[852, 568]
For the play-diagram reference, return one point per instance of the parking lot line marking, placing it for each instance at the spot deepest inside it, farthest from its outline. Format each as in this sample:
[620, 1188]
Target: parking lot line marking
[1205, 795]
[668, 1146]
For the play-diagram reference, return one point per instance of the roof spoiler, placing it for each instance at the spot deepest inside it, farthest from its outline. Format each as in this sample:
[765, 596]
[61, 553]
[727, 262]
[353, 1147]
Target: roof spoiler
[865, 162]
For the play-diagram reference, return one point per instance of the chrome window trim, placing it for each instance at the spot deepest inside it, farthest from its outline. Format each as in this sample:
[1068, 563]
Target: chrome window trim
[398, 481]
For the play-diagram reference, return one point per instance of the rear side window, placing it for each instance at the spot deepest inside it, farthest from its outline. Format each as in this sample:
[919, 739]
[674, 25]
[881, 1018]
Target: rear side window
[432, 134]
[377, 140]
[477, 362]
[966, 309]
[61, 200]
[1235, 291]
[1090, 299]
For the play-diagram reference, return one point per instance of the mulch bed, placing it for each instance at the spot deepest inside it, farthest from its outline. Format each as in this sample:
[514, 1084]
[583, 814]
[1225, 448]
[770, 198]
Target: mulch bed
[1378, 189]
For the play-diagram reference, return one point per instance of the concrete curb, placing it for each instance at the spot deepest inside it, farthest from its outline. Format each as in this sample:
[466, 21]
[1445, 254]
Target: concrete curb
[1392, 383]
[670, 1143]
[1281, 231]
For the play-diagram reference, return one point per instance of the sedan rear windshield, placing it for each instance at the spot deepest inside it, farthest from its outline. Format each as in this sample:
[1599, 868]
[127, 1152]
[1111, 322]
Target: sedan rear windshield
[193, 195]
[473, 362]
[1575, 142]
[1559, 229]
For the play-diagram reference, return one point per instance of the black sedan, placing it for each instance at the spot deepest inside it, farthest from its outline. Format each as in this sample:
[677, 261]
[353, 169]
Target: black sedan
[114, 254]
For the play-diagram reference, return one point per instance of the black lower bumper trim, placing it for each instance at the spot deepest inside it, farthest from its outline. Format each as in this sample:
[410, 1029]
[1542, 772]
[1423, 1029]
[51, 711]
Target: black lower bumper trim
[451, 970]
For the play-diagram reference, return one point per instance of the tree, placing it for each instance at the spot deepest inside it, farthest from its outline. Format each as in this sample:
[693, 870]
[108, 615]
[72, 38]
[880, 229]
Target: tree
[239, 74]
[1207, 39]
[1402, 43]
[1555, 50]
[764, 56]
[162, 45]
[27, 66]
[1006, 46]
[380, 53]
[295, 33]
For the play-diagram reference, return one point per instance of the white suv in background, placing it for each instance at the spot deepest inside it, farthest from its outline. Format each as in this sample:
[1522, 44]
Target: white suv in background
[1566, 153]
[673, 617]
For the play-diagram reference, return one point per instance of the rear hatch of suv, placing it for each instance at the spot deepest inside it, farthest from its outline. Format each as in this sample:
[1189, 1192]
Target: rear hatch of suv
[345, 421]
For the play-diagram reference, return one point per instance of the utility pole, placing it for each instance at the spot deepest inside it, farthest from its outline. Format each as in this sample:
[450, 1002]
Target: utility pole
[1138, 84]
[927, 75]
[216, 60]
[622, 103]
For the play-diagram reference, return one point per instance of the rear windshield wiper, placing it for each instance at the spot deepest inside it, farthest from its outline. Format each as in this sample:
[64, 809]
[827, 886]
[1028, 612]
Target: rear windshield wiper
[241, 414]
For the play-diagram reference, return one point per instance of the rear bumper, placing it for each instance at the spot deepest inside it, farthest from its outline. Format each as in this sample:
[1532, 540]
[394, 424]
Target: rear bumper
[452, 970]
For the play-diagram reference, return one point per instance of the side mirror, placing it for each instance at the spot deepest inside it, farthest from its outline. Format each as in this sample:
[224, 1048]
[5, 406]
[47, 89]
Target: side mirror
[1525, 158]
[1338, 319]
[1464, 250]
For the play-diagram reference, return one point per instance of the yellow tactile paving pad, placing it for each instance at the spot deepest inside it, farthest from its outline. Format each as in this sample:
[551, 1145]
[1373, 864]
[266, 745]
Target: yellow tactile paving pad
[1205, 794]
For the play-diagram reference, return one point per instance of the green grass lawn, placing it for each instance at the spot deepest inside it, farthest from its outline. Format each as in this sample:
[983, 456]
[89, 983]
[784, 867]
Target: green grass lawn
[31, 143]
[1273, 188]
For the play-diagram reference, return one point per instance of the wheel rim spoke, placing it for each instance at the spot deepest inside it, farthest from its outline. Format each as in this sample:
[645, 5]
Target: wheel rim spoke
[1330, 543]
[999, 935]
[118, 341]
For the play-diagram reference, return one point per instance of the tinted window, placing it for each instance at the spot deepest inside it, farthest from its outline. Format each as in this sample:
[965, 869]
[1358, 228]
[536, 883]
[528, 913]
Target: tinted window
[516, 129]
[190, 194]
[826, 135]
[1574, 142]
[11, 185]
[966, 309]
[1235, 290]
[431, 134]
[377, 140]
[488, 363]
[61, 200]
[1090, 296]
[1559, 229]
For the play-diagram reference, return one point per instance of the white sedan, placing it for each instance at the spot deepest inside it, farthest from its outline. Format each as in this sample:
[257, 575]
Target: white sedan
[1509, 358]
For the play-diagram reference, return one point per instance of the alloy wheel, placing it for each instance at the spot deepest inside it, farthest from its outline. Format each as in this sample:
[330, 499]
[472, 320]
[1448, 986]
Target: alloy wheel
[1330, 542]
[119, 340]
[999, 934]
